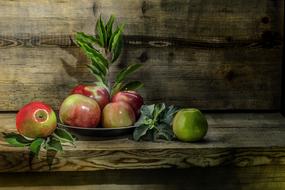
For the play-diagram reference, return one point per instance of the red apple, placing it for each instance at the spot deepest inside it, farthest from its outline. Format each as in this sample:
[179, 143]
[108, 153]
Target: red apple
[132, 98]
[36, 119]
[80, 111]
[98, 93]
[79, 89]
[118, 114]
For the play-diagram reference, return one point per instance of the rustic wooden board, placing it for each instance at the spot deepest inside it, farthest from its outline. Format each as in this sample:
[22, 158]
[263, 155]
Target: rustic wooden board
[253, 178]
[199, 77]
[209, 54]
[242, 140]
[207, 21]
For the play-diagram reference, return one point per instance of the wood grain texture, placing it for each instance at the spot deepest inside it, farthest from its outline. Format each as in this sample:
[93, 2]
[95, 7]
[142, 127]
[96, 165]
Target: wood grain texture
[209, 21]
[262, 177]
[217, 55]
[199, 77]
[242, 140]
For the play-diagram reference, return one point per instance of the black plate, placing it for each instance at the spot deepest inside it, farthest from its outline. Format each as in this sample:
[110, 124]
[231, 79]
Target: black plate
[98, 132]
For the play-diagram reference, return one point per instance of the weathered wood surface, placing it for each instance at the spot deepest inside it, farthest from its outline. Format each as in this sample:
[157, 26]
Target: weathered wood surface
[208, 21]
[206, 54]
[253, 178]
[242, 140]
[180, 76]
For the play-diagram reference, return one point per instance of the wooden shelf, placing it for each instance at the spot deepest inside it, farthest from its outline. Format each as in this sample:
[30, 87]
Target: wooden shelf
[246, 139]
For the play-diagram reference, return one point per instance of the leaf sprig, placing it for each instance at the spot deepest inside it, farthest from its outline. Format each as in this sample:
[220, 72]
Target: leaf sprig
[155, 122]
[103, 49]
[52, 144]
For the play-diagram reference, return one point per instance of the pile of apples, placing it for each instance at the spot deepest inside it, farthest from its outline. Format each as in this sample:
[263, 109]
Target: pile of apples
[91, 106]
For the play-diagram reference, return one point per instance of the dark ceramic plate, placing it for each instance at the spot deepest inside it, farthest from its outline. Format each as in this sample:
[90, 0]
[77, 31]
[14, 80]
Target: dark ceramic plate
[98, 132]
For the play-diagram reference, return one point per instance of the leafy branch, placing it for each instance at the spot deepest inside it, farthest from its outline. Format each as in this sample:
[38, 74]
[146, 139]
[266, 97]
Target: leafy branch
[155, 122]
[52, 144]
[103, 49]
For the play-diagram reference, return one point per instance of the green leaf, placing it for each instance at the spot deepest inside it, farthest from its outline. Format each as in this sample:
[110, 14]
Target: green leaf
[118, 30]
[109, 27]
[169, 114]
[116, 43]
[94, 69]
[15, 142]
[141, 120]
[36, 145]
[147, 110]
[53, 144]
[164, 131]
[100, 70]
[19, 137]
[158, 109]
[117, 46]
[98, 77]
[127, 71]
[101, 32]
[16, 139]
[134, 85]
[140, 131]
[98, 64]
[63, 135]
[81, 42]
[102, 84]
[97, 58]
[90, 51]
[116, 88]
[97, 74]
[157, 119]
[82, 37]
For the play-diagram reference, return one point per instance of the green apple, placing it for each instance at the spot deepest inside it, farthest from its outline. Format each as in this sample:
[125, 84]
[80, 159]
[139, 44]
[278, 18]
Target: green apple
[190, 125]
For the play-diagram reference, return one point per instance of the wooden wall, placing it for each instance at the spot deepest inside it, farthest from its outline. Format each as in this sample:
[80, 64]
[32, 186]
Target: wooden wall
[210, 54]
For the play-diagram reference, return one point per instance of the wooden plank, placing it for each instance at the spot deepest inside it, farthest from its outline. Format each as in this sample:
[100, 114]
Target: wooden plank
[197, 20]
[263, 177]
[239, 144]
[207, 78]
[227, 57]
[283, 60]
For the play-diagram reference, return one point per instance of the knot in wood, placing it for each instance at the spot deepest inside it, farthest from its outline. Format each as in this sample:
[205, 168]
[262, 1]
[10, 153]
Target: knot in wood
[227, 72]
